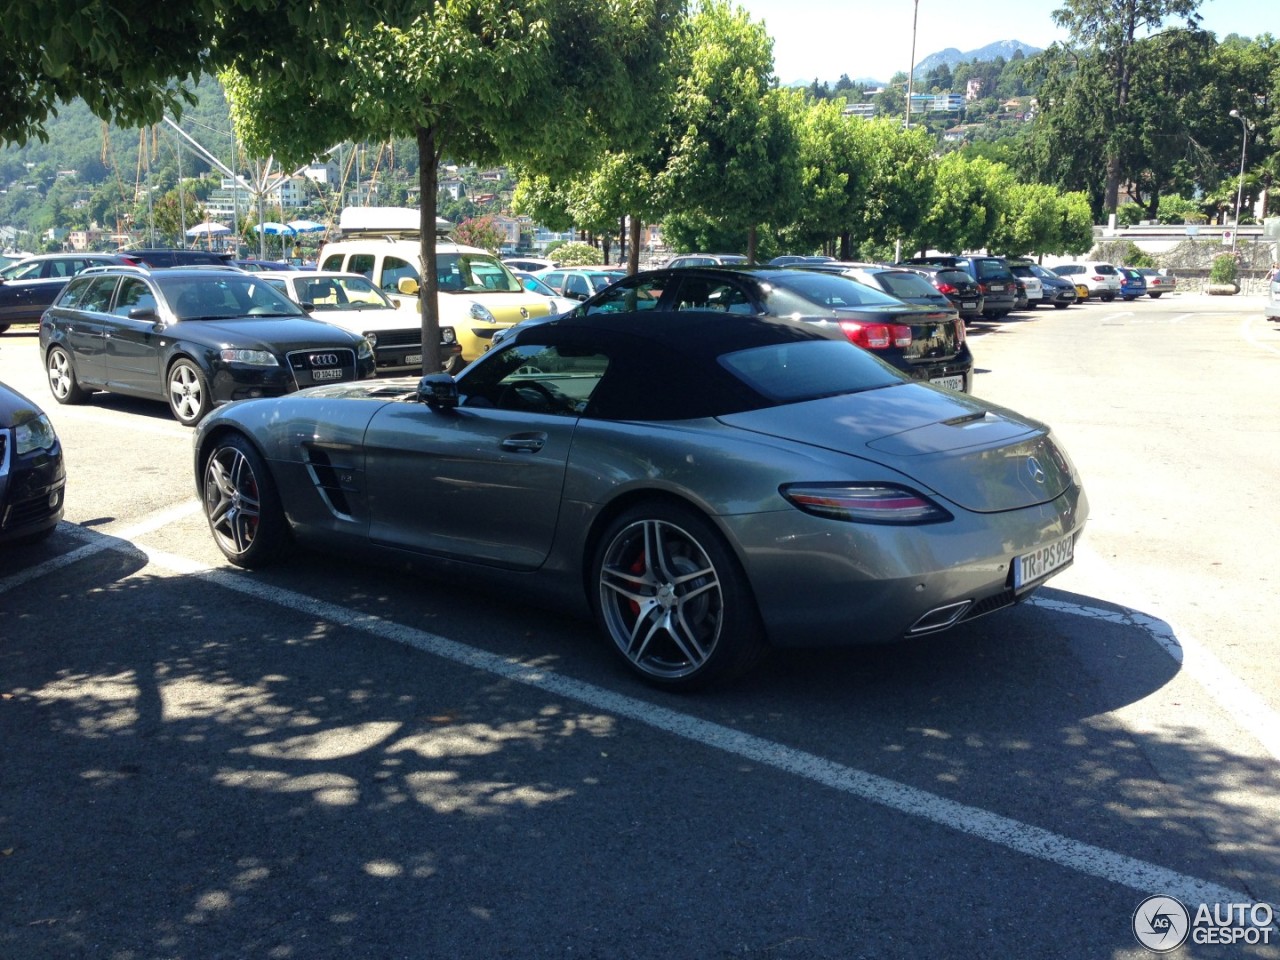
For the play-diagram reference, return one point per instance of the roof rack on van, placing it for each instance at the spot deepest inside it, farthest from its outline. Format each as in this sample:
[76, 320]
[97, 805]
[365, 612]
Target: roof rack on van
[385, 222]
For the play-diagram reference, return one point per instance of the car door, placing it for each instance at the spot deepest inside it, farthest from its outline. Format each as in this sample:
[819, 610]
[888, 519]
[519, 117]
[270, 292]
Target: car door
[80, 321]
[482, 482]
[134, 342]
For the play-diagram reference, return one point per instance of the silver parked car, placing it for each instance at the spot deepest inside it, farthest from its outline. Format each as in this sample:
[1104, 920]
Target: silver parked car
[706, 484]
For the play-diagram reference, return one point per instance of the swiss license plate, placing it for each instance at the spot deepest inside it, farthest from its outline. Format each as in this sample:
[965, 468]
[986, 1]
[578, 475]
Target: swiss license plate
[1042, 561]
[997, 288]
[973, 305]
[413, 358]
[327, 373]
[951, 383]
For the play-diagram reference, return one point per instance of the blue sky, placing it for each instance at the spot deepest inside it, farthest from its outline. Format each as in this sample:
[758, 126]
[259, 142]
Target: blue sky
[872, 38]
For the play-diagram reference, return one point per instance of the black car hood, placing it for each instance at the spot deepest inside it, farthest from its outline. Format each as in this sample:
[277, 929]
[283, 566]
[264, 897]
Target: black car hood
[281, 333]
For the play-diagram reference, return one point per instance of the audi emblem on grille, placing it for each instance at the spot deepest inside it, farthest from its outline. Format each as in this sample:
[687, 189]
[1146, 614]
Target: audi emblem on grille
[323, 359]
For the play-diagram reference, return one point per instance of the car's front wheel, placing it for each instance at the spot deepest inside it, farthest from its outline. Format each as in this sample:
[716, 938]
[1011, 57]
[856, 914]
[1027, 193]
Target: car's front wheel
[189, 395]
[673, 599]
[62, 377]
[242, 504]
[1108, 297]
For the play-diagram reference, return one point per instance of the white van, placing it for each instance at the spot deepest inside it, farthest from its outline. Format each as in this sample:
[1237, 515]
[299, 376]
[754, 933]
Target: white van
[479, 294]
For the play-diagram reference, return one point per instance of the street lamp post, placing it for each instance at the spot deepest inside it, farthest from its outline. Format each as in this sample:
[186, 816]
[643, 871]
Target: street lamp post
[915, 17]
[1244, 145]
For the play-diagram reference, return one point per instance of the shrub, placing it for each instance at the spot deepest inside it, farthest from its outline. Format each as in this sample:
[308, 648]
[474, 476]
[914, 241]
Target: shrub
[1224, 269]
[578, 255]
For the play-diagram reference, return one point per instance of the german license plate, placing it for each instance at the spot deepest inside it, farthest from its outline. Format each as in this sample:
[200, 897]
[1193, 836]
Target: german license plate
[1042, 561]
[413, 358]
[951, 383]
[327, 373]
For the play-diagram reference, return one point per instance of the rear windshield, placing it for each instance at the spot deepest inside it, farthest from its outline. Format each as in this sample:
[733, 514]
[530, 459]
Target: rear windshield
[990, 268]
[954, 277]
[1105, 269]
[906, 284]
[792, 372]
[799, 293]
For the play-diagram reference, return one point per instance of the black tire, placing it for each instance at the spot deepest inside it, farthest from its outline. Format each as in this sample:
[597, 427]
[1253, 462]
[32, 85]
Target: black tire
[3, 327]
[1061, 306]
[672, 599]
[61, 372]
[1154, 296]
[187, 388]
[1108, 297]
[242, 505]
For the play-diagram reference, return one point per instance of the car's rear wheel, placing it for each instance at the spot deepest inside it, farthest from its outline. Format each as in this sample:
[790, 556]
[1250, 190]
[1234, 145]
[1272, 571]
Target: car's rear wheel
[242, 504]
[1107, 297]
[673, 599]
[1061, 306]
[62, 377]
[1154, 296]
[189, 395]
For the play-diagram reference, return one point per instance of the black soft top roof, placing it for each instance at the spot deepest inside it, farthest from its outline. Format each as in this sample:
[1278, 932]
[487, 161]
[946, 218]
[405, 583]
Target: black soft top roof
[663, 365]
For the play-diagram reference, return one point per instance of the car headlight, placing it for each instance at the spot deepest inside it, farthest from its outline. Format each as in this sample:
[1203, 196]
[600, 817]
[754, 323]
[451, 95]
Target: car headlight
[251, 358]
[447, 335]
[480, 312]
[365, 350]
[35, 433]
[372, 338]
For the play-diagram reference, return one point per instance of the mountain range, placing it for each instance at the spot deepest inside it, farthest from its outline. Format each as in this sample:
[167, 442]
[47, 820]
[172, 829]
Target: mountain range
[951, 57]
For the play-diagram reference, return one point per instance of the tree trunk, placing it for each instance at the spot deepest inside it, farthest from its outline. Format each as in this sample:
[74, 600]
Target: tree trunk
[753, 235]
[429, 288]
[633, 255]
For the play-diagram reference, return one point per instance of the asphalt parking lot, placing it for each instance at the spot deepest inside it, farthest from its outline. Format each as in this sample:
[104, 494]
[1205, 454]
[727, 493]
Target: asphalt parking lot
[331, 760]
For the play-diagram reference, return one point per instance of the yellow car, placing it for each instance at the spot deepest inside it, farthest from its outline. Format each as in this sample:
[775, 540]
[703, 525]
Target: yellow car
[479, 295]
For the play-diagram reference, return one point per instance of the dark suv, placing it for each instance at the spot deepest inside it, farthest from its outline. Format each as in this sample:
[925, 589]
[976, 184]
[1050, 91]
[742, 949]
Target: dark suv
[998, 286]
[925, 343]
[196, 337]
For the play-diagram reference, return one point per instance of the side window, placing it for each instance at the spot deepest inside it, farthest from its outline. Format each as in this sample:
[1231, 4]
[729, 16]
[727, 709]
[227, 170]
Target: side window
[629, 296]
[73, 293]
[575, 286]
[133, 294]
[393, 268]
[535, 378]
[361, 263]
[554, 280]
[97, 298]
[334, 262]
[27, 271]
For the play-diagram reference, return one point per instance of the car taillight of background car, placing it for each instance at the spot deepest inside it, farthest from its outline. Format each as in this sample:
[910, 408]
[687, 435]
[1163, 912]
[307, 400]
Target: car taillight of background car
[877, 336]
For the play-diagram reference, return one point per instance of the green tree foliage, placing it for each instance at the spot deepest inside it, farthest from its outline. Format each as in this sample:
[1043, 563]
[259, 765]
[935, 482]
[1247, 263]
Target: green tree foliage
[733, 148]
[576, 254]
[132, 61]
[970, 202]
[1115, 30]
[476, 80]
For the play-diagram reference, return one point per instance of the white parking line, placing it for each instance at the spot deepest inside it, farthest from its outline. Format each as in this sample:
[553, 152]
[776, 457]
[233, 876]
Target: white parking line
[1138, 875]
[1249, 330]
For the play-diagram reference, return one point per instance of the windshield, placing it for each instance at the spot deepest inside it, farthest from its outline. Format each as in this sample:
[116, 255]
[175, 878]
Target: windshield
[220, 296]
[475, 273]
[341, 293]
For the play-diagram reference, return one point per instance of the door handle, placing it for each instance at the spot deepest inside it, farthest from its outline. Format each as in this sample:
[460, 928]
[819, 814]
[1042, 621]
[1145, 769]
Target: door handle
[525, 442]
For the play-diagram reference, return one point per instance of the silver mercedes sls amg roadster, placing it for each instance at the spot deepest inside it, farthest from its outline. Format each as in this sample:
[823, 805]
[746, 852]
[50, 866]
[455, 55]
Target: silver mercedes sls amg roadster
[706, 485]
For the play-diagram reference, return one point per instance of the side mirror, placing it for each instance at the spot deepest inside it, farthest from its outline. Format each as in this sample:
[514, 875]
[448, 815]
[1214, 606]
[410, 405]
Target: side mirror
[439, 391]
[144, 313]
[307, 306]
[408, 286]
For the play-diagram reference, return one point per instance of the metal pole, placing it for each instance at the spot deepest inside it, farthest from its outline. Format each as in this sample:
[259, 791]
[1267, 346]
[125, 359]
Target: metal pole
[915, 17]
[1244, 145]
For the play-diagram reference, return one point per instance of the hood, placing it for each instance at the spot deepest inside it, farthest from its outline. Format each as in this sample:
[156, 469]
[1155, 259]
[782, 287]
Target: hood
[979, 456]
[378, 319]
[266, 333]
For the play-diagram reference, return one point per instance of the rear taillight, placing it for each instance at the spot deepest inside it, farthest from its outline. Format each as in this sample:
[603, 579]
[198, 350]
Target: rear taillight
[877, 336]
[864, 503]
[948, 289]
